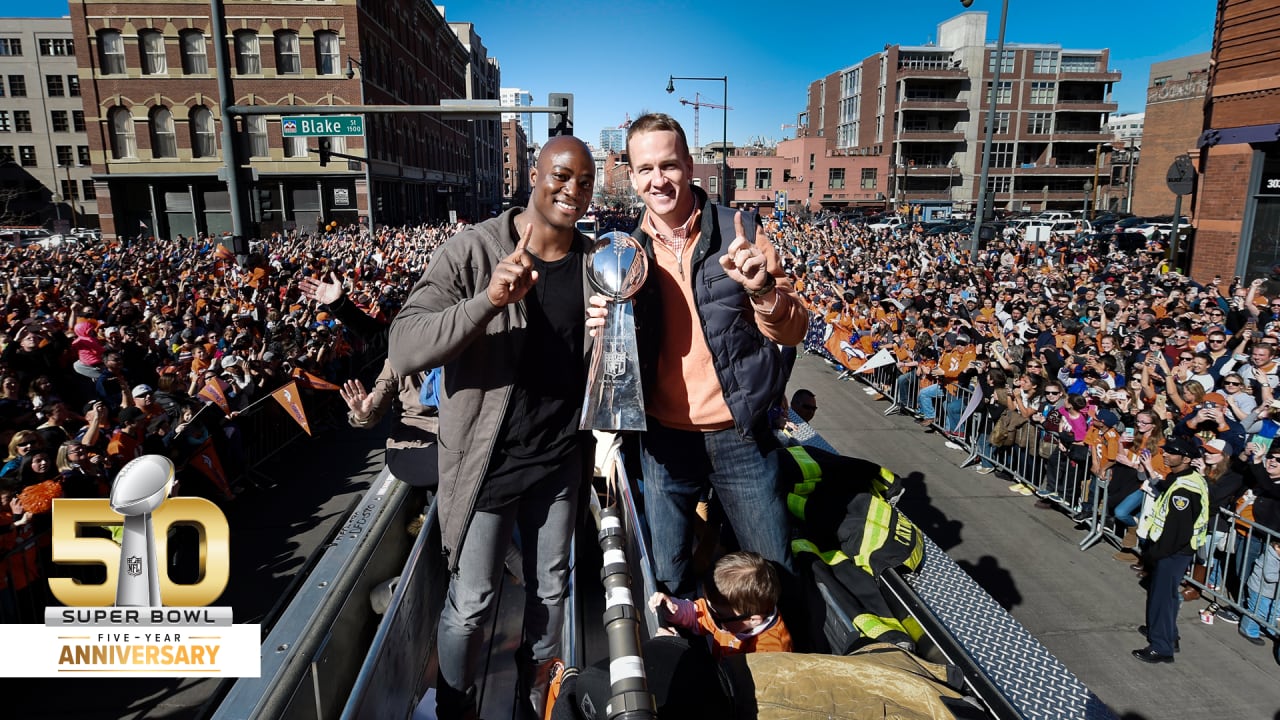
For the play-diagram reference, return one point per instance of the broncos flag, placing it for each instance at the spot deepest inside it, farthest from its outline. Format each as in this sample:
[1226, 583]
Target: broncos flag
[287, 396]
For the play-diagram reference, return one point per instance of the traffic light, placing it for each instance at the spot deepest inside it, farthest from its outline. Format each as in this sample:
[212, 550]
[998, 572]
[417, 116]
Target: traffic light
[325, 146]
[560, 123]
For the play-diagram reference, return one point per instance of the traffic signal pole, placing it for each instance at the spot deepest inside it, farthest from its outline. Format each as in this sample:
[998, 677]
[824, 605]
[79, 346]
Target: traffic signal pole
[226, 99]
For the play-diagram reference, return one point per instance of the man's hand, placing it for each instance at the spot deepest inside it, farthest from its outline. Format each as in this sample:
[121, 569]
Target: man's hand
[514, 275]
[322, 291]
[357, 398]
[743, 262]
[597, 310]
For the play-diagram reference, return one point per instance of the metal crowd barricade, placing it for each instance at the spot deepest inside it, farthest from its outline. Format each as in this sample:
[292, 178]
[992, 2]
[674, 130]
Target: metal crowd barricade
[1235, 547]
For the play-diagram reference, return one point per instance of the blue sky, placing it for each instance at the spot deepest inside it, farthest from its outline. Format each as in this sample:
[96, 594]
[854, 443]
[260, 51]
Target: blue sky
[615, 57]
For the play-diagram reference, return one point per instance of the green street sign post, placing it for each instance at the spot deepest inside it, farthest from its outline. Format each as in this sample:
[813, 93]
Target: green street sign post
[318, 126]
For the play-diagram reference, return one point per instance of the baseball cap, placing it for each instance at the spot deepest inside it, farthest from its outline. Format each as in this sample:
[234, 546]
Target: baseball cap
[229, 361]
[1218, 446]
[140, 390]
[1108, 418]
[1180, 445]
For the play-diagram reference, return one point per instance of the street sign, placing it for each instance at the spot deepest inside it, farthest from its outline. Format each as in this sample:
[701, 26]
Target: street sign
[1181, 176]
[321, 126]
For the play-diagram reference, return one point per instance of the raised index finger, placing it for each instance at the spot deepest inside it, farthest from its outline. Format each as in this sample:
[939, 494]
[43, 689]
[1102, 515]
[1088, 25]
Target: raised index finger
[522, 246]
[737, 224]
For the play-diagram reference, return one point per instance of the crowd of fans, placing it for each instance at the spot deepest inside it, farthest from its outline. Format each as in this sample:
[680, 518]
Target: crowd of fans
[1099, 349]
[156, 346]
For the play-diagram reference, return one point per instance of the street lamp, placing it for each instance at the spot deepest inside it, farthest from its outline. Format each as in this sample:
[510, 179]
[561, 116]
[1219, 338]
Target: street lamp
[724, 138]
[1088, 188]
[352, 64]
[991, 126]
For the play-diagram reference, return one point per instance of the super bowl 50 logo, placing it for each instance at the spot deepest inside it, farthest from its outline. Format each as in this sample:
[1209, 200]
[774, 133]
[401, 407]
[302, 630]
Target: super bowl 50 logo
[121, 625]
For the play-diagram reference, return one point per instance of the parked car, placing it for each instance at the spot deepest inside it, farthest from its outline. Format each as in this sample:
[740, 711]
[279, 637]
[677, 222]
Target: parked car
[888, 222]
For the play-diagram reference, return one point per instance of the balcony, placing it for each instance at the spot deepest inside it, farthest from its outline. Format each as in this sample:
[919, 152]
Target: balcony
[931, 170]
[1089, 75]
[910, 103]
[950, 70]
[927, 135]
[1083, 135]
[1080, 105]
[1057, 169]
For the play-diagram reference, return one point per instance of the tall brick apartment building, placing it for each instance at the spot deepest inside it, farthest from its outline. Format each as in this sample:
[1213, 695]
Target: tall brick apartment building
[924, 107]
[1237, 202]
[151, 104]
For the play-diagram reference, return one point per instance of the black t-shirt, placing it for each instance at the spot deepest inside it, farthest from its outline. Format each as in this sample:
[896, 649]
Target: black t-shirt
[541, 424]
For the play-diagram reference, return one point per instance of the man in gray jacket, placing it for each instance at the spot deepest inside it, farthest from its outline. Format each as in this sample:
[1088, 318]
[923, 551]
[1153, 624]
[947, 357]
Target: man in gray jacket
[501, 309]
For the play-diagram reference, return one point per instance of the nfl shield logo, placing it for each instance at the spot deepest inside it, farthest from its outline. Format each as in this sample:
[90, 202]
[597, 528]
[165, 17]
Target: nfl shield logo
[615, 363]
[134, 565]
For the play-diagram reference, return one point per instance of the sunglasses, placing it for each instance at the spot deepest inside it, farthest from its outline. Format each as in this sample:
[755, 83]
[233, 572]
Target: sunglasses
[721, 620]
[1236, 383]
[1053, 392]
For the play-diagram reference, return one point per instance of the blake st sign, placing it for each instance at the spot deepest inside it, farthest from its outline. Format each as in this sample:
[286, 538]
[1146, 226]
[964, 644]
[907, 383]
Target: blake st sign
[321, 126]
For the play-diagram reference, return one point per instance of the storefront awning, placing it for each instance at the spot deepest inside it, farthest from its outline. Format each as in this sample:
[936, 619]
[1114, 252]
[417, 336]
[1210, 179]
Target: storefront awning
[1239, 135]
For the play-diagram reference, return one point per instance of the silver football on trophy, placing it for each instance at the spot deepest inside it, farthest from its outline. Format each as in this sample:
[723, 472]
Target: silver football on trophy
[617, 265]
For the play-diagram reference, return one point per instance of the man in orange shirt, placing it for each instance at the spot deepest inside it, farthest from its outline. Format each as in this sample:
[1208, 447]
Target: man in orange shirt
[710, 317]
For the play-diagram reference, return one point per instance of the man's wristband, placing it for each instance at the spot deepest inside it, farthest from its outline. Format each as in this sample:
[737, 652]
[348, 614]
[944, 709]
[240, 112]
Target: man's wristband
[769, 284]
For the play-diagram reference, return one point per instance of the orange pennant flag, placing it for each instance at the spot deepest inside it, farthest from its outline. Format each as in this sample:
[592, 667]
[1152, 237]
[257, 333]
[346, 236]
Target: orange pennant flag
[312, 381]
[287, 396]
[206, 461]
[216, 394]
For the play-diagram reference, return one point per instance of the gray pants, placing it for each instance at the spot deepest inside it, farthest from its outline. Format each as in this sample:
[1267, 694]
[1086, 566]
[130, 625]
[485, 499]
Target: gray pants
[545, 515]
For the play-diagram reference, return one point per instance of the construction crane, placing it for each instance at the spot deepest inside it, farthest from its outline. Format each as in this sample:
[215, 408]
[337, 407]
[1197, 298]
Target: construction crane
[697, 103]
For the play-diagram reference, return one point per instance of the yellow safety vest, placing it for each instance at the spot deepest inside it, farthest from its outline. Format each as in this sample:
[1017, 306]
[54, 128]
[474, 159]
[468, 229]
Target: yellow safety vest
[1153, 524]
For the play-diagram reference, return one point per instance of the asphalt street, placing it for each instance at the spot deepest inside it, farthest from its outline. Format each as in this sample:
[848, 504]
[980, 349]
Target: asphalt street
[1085, 607]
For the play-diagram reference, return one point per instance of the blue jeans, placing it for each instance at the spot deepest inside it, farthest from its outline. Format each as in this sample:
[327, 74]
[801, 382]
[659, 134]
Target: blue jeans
[1247, 551]
[1127, 510]
[678, 466]
[546, 515]
[1265, 607]
[952, 407]
[904, 388]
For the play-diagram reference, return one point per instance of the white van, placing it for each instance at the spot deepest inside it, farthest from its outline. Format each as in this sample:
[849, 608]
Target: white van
[1056, 215]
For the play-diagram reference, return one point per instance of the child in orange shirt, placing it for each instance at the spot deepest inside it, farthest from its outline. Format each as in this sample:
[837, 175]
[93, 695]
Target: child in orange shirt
[739, 612]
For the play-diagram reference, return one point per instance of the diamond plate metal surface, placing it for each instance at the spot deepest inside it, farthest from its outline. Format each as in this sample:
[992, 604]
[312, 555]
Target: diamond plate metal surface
[1033, 681]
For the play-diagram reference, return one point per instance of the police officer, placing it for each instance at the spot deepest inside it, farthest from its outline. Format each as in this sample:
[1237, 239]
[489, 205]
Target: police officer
[1174, 530]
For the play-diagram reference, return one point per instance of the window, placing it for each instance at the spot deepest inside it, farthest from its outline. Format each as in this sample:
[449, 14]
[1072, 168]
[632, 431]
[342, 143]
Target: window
[835, 178]
[164, 142]
[1083, 64]
[82, 154]
[764, 178]
[740, 178]
[124, 143]
[1004, 95]
[327, 53]
[1002, 122]
[713, 184]
[1042, 93]
[54, 85]
[17, 86]
[10, 46]
[111, 52]
[63, 153]
[22, 120]
[4, 121]
[69, 190]
[1002, 154]
[151, 48]
[999, 184]
[58, 120]
[1005, 67]
[27, 155]
[60, 47]
[868, 178]
[73, 85]
[77, 120]
[1045, 62]
[288, 61]
[1039, 123]
[90, 191]
[248, 58]
[6, 154]
[195, 58]
[295, 147]
[203, 143]
[256, 125]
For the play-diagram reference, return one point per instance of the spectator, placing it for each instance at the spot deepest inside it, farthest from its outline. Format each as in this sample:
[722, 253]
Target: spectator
[805, 403]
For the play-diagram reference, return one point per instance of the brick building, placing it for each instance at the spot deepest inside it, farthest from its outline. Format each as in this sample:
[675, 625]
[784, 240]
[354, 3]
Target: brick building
[1237, 201]
[515, 164]
[812, 176]
[44, 150]
[151, 105]
[923, 108]
[1174, 119]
